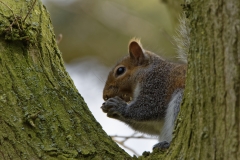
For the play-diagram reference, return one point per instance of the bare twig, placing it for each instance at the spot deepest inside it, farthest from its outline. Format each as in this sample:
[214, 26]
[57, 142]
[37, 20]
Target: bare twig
[128, 137]
[13, 16]
[29, 11]
[134, 137]
[122, 144]
[123, 141]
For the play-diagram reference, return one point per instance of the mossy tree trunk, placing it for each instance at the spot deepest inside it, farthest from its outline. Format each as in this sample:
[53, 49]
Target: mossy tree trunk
[42, 115]
[209, 123]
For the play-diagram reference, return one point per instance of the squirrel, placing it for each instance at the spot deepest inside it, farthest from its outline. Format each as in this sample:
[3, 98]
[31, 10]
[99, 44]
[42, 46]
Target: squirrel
[145, 91]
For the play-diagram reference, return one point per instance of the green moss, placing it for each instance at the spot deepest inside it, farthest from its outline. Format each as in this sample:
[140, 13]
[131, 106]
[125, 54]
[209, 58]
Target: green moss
[42, 114]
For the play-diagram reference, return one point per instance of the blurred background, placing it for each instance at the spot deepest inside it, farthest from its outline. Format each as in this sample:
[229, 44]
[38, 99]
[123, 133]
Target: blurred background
[94, 34]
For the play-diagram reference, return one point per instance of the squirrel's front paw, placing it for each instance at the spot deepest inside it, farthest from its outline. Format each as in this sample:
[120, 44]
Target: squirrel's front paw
[114, 107]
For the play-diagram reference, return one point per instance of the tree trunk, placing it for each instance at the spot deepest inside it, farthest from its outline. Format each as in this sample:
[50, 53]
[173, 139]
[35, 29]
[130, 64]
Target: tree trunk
[42, 115]
[208, 126]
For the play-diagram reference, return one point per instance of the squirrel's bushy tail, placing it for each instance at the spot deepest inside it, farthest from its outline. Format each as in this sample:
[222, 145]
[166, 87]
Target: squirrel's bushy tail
[182, 39]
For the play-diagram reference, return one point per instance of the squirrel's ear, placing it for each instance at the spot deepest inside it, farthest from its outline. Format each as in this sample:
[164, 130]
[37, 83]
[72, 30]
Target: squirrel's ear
[136, 51]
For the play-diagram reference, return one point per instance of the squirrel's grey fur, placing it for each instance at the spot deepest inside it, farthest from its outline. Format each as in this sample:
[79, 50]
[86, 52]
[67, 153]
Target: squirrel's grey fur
[156, 86]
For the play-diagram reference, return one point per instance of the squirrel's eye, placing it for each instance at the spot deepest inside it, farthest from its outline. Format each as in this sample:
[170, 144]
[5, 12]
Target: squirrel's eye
[120, 70]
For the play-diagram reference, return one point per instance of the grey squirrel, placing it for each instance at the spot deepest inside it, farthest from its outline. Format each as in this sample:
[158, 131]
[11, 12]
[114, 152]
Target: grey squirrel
[145, 91]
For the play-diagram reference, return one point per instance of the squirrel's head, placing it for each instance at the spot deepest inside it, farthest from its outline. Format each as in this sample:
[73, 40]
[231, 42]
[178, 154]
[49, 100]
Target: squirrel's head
[124, 77]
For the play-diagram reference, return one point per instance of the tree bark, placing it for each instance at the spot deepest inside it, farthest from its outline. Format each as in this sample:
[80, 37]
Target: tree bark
[208, 126]
[42, 115]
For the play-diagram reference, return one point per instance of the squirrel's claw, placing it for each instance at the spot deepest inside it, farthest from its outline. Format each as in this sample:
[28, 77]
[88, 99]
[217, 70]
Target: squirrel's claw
[162, 146]
[106, 106]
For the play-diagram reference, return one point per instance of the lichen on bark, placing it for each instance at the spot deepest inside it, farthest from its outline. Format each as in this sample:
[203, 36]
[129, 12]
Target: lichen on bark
[42, 115]
[208, 124]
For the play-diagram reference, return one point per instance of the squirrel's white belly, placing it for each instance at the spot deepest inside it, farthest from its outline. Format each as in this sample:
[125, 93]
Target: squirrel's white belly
[148, 127]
